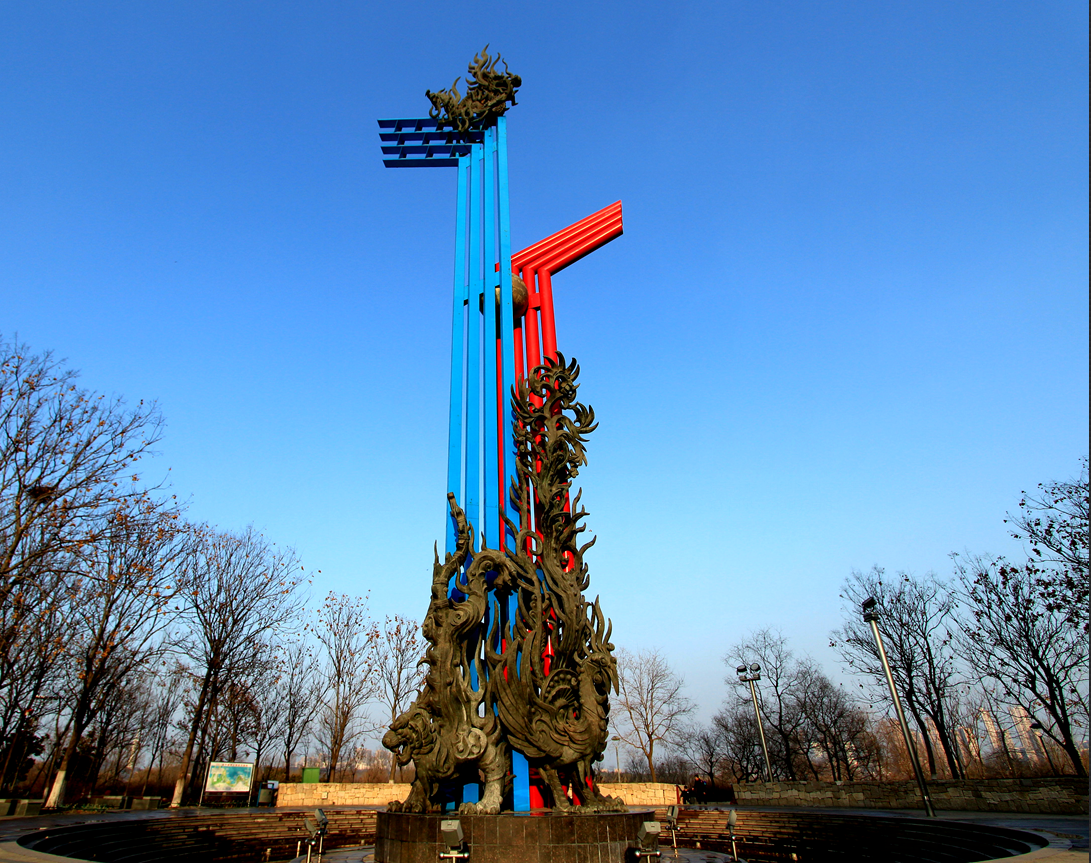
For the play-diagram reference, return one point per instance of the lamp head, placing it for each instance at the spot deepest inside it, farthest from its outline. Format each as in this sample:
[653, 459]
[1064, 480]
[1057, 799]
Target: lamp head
[450, 831]
[648, 834]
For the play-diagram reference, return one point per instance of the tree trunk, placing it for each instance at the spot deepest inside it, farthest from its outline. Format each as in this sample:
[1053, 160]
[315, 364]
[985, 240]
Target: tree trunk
[56, 793]
[1059, 711]
[187, 753]
[789, 768]
[147, 774]
[1074, 756]
[926, 739]
[948, 749]
[335, 757]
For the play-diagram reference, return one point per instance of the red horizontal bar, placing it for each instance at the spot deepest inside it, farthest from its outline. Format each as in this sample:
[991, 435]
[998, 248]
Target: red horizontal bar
[610, 215]
[576, 247]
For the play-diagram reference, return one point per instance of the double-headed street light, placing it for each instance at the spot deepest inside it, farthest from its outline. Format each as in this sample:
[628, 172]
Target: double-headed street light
[750, 675]
[868, 607]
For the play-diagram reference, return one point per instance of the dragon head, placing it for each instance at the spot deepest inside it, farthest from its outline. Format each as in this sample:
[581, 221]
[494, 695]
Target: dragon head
[410, 735]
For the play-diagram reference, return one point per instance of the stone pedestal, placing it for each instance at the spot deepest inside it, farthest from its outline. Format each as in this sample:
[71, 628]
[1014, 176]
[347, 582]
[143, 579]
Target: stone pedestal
[523, 837]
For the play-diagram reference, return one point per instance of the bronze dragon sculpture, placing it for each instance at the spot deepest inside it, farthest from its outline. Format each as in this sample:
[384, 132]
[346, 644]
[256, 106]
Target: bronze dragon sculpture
[487, 95]
[444, 732]
[539, 683]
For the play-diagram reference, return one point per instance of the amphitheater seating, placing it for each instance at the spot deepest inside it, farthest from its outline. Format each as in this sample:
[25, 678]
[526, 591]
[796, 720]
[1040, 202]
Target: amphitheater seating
[806, 836]
[248, 837]
[245, 837]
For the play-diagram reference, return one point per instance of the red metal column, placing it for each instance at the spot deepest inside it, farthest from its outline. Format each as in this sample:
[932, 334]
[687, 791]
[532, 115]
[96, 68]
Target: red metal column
[543, 260]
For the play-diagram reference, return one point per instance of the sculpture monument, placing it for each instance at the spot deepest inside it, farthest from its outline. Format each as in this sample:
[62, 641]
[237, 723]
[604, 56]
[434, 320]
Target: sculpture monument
[514, 709]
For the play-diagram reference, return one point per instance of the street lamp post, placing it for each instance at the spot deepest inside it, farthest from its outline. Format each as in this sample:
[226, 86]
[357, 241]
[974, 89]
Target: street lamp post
[872, 616]
[617, 758]
[749, 675]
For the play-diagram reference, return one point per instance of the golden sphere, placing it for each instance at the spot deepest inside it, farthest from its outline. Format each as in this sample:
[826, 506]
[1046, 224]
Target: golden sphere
[520, 297]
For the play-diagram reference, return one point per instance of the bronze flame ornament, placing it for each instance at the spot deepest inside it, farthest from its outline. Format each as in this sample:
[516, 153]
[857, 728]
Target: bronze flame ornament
[540, 683]
[487, 95]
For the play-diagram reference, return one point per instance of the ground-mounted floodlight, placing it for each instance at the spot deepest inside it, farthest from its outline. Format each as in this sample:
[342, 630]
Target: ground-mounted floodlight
[751, 675]
[647, 838]
[450, 834]
[732, 819]
[316, 826]
[869, 608]
[672, 823]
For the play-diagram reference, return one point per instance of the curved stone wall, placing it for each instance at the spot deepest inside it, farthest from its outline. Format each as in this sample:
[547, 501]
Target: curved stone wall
[1061, 795]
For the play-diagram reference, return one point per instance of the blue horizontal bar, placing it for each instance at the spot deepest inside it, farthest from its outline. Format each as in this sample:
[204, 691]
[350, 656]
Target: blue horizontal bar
[428, 150]
[418, 127]
[422, 163]
[419, 123]
[426, 137]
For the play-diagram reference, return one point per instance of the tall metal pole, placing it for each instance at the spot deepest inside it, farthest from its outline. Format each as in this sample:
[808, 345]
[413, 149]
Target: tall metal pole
[872, 616]
[761, 731]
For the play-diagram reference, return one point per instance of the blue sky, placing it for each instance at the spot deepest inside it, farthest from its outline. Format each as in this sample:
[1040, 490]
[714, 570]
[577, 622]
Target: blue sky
[846, 324]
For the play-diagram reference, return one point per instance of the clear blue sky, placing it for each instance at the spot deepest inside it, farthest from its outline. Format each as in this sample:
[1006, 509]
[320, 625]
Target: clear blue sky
[846, 325]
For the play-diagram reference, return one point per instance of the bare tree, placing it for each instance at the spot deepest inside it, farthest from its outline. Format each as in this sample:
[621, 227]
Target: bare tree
[68, 457]
[264, 715]
[350, 674]
[297, 695]
[1054, 525]
[115, 734]
[917, 621]
[117, 612]
[37, 631]
[742, 756]
[780, 693]
[704, 747]
[238, 588]
[652, 707]
[1028, 647]
[166, 700]
[400, 648]
[836, 727]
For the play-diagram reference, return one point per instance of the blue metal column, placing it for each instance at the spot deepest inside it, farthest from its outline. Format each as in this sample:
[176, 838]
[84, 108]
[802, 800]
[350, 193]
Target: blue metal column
[492, 519]
[472, 473]
[479, 413]
[472, 505]
[519, 766]
[507, 315]
[458, 325]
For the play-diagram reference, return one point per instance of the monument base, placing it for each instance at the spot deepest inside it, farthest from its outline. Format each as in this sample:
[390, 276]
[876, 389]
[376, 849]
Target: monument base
[541, 836]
